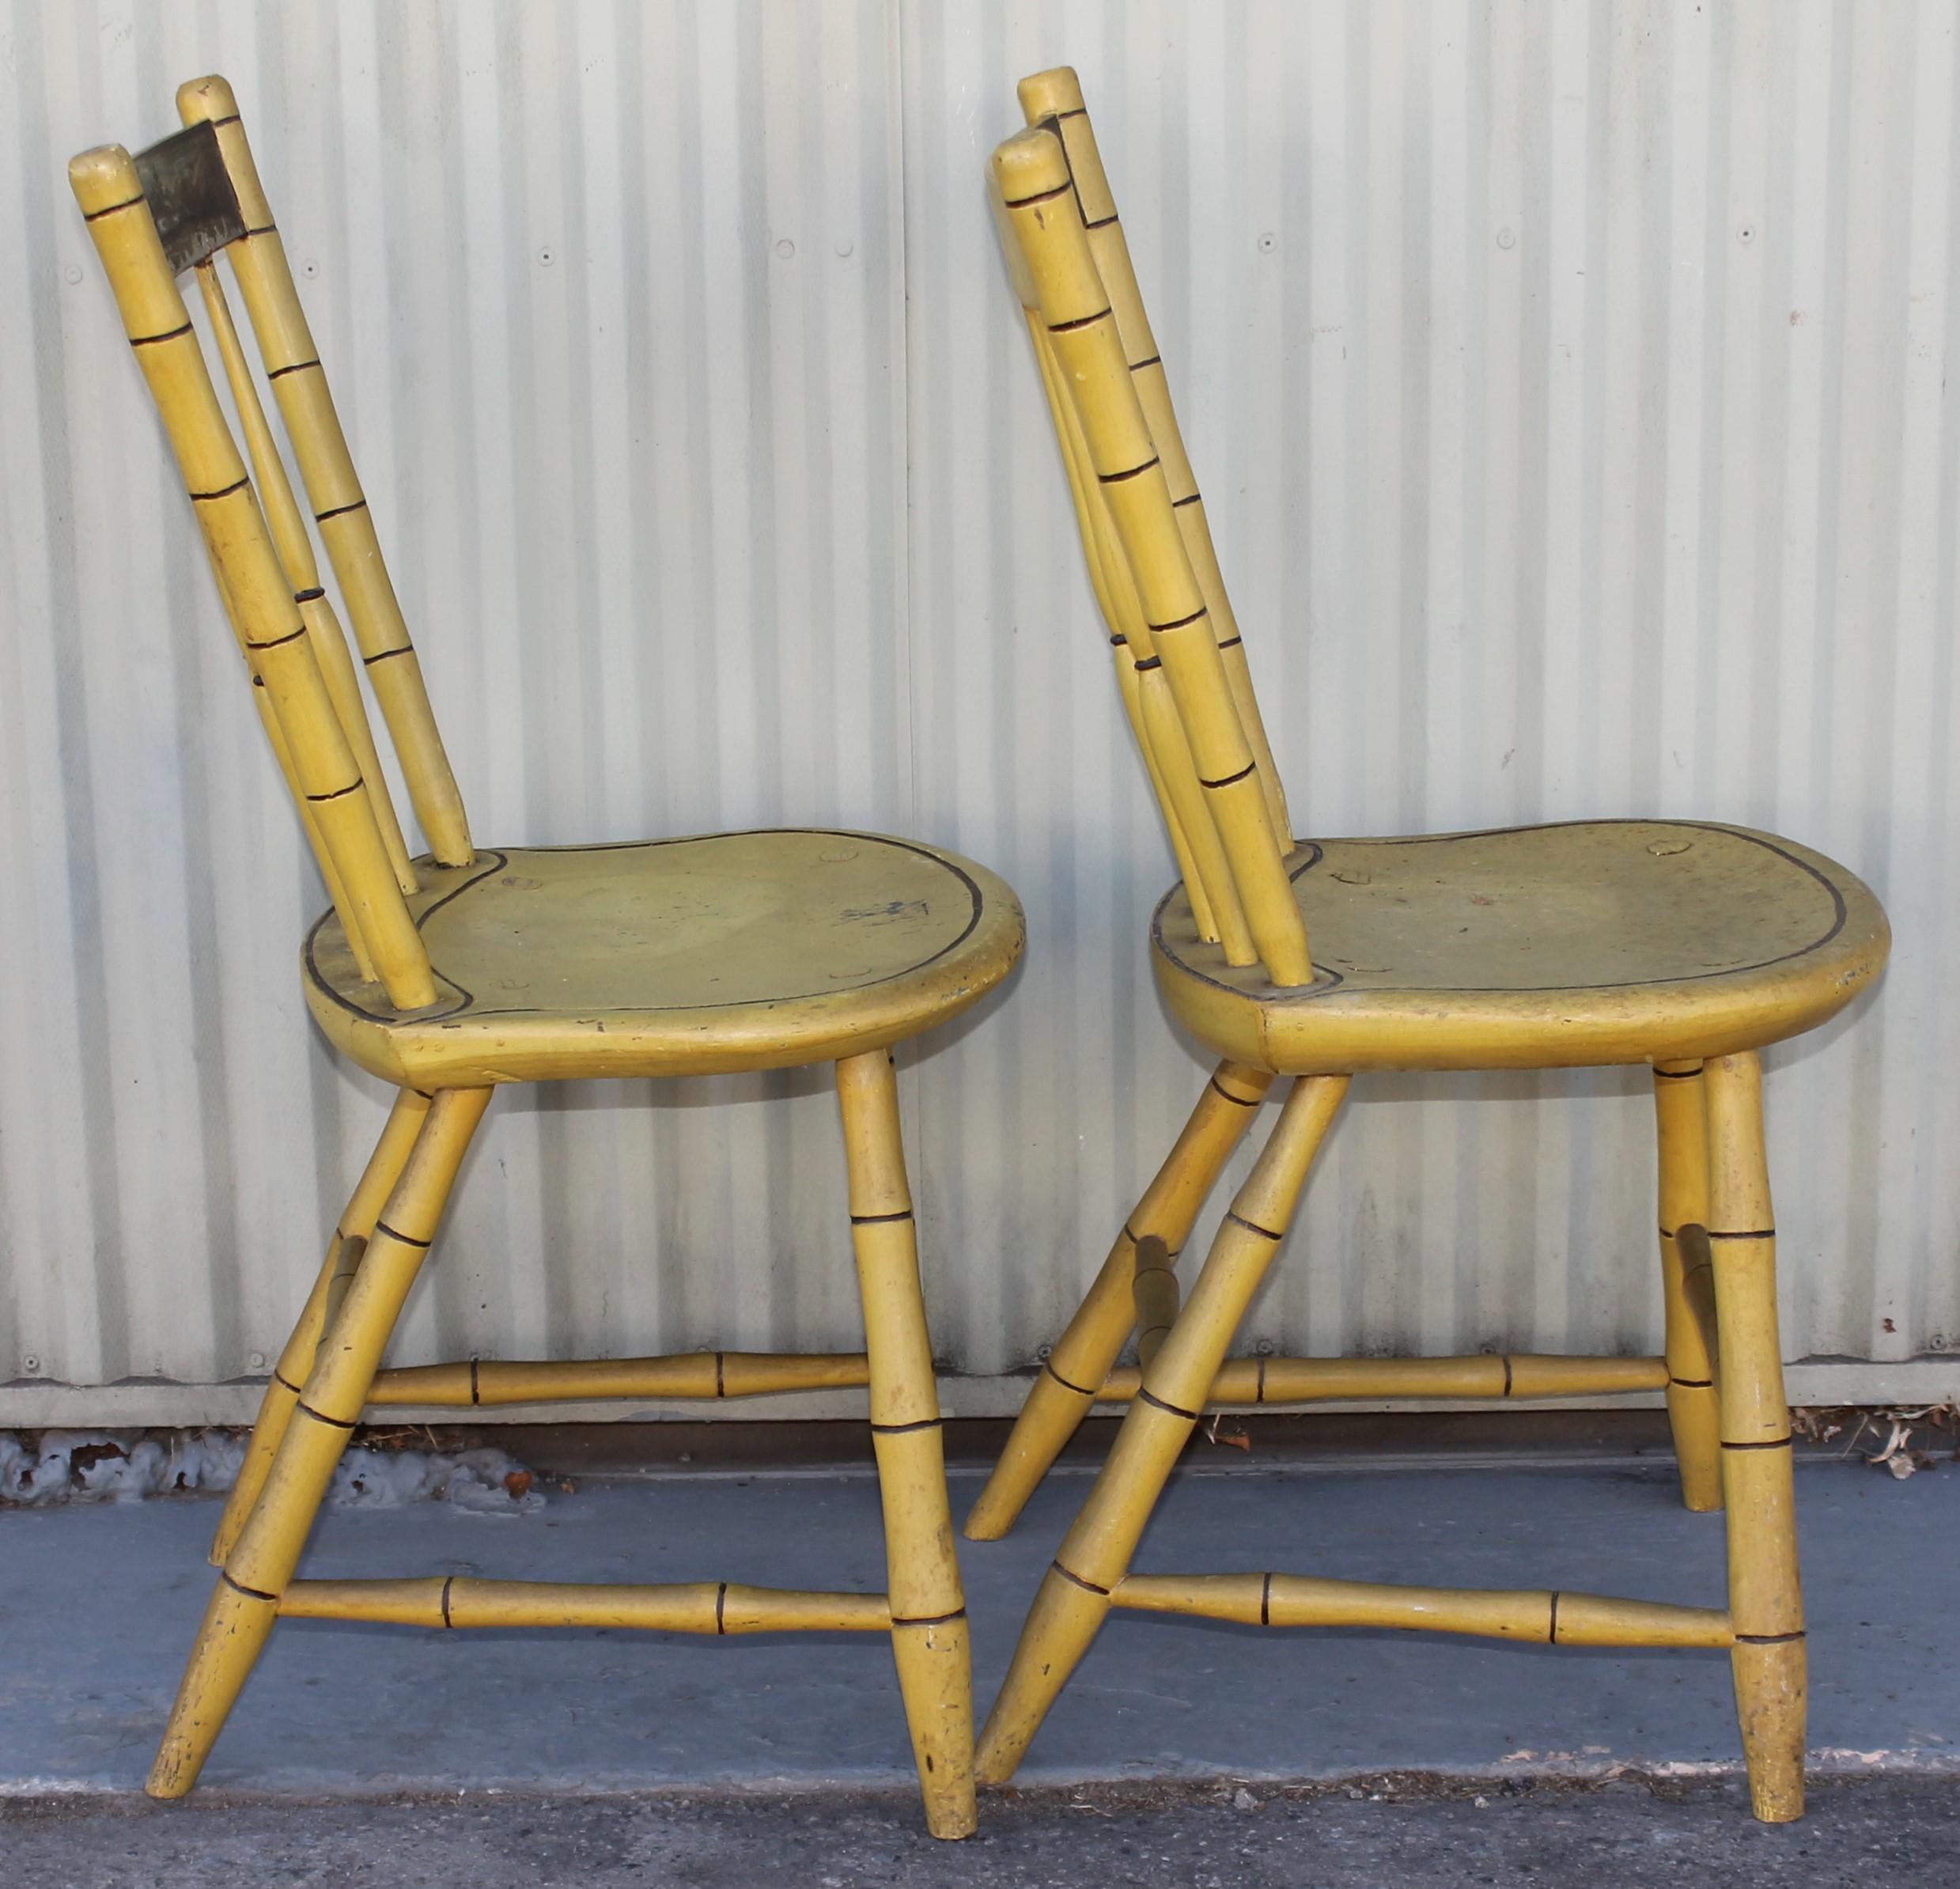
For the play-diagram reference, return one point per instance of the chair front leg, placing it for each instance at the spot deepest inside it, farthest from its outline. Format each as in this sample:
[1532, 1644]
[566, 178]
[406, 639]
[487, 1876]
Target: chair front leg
[1765, 1595]
[343, 1250]
[1680, 1122]
[246, 1602]
[928, 1607]
[1075, 1595]
[1065, 1390]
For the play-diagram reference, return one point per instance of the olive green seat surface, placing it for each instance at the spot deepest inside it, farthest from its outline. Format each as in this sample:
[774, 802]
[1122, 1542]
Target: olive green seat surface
[727, 951]
[1592, 942]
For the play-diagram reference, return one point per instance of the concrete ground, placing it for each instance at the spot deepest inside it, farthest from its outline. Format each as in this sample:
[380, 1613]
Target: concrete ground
[1891, 1833]
[1183, 1751]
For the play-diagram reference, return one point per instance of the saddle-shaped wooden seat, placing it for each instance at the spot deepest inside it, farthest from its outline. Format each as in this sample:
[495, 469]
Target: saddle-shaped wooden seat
[1593, 942]
[728, 951]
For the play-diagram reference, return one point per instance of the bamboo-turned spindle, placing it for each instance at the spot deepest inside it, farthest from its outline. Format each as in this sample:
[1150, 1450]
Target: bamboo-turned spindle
[333, 488]
[1056, 95]
[1033, 178]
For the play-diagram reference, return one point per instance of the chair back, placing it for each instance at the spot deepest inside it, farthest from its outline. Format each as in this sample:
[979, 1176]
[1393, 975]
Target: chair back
[1180, 659]
[175, 208]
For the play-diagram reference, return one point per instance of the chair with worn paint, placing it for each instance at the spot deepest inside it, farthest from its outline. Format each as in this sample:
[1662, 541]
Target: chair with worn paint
[1686, 946]
[733, 951]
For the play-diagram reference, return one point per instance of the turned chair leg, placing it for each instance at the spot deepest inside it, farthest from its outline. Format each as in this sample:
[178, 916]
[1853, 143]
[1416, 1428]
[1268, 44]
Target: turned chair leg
[1765, 1597]
[1681, 1121]
[1066, 1390]
[319, 1421]
[1075, 1593]
[929, 1607]
[343, 1259]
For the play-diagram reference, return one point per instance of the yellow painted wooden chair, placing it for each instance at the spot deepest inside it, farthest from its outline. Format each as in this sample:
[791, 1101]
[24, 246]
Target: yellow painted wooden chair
[1686, 945]
[449, 974]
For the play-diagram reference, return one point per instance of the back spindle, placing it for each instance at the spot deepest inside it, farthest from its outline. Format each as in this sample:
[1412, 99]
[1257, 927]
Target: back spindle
[1077, 312]
[253, 584]
[333, 490]
[1055, 97]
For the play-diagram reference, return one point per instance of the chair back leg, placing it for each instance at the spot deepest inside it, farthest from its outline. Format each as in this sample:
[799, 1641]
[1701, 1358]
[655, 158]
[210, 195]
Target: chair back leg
[1074, 1597]
[1065, 1389]
[261, 1562]
[1681, 1119]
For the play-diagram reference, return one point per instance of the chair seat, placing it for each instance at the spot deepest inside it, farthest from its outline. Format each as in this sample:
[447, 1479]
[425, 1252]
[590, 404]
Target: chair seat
[1599, 941]
[730, 951]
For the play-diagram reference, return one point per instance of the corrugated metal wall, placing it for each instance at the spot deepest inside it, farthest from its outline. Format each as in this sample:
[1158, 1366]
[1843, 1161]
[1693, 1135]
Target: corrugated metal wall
[1568, 384]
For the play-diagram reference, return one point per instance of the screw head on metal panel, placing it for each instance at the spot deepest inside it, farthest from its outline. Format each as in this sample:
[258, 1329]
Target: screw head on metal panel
[1506, 238]
[1268, 242]
[785, 248]
[30, 1366]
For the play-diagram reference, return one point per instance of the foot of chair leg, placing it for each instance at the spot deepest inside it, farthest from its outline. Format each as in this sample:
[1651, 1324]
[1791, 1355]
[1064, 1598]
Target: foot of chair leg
[1771, 1701]
[935, 1664]
[1065, 1618]
[235, 1626]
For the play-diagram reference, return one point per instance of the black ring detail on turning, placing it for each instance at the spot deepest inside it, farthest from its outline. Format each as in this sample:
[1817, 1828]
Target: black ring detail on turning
[1041, 196]
[1552, 1638]
[109, 209]
[238, 1587]
[474, 1398]
[1087, 1586]
[1240, 1101]
[360, 505]
[237, 484]
[1774, 1443]
[151, 340]
[1168, 1408]
[1048, 1365]
[1507, 1358]
[381, 1226]
[308, 597]
[1265, 1600]
[1768, 1639]
[1231, 642]
[1252, 1226]
[383, 655]
[447, 1584]
[1751, 1233]
[1181, 622]
[1116, 478]
[1231, 779]
[720, 1602]
[321, 1417]
[339, 793]
[292, 367]
[1189, 498]
[1080, 321]
[291, 636]
[872, 1220]
[958, 1613]
[1694, 1383]
[901, 1429]
[1149, 662]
